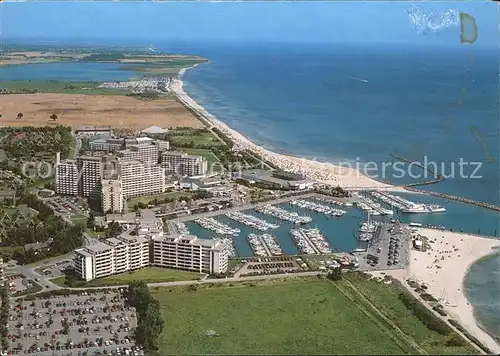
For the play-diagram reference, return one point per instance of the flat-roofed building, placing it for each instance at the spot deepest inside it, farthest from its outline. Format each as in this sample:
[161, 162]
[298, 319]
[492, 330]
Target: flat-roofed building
[93, 130]
[66, 177]
[112, 256]
[189, 253]
[108, 145]
[180, 163]
[140, 149]
[89, 168]
[139, 179]
[112, 196]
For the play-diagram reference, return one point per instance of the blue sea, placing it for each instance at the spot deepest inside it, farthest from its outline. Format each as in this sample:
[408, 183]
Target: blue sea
[353, 104]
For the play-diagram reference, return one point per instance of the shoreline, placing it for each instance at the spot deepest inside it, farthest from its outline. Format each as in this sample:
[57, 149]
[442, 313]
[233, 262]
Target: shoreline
[327, 173]
[443, 269]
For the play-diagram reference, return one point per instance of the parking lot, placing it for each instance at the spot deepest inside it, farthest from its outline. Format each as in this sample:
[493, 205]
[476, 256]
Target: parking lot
[89, 323]
[269, 266]
[389, 249]
[67, 205]
[18, 283]
[56, 269]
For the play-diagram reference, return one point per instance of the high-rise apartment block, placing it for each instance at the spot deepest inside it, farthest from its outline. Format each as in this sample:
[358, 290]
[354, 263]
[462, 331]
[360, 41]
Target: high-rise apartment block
[190, 253]
[66, 176]
[112, 256]
[180, 163]
[139, 179]
[112, 196]
[140, 149]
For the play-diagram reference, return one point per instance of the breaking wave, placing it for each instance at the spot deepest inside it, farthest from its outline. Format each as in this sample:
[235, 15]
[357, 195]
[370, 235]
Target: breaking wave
[433, 22]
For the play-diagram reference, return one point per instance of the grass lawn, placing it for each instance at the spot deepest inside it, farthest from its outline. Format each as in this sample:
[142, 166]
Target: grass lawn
[148, 275]
[293, 316]
[386, 299]
[147, 199]
[78, 218]
[213, 162]
[197, 138]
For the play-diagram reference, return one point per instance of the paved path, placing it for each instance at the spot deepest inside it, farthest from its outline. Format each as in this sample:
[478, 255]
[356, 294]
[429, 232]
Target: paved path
[217, 281]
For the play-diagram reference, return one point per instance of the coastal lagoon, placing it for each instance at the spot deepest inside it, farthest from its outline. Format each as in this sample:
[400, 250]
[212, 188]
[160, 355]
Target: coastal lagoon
[74, 71]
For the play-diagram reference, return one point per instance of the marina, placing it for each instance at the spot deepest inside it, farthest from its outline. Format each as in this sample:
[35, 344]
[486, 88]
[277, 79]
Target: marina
[283, 214]
[303, 243]
[181, 228]
[407, 206]
[251, 221]
[217, 227]
[264, 245]
[318, 240]
[257, 244]
[272, 244]
[318, 208]
[366, 230]
[371, 207]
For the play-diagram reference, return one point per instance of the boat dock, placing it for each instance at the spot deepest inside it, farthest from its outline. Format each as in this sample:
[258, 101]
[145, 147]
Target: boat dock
[283, 214]
[318, 208]
[370, 206]
[258, 247]
[251, 221]
[318, 240]
[303, 243]
[272, 245]
[217, 226]
[405, 205]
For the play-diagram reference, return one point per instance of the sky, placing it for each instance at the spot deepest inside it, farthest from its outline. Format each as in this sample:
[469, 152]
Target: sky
[365, 22]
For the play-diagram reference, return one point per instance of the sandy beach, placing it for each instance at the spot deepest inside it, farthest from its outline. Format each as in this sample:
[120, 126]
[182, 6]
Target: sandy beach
[335, 175]
[443, 268]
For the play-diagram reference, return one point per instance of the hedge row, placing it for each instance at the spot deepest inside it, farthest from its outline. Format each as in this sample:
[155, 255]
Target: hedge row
[472, 338]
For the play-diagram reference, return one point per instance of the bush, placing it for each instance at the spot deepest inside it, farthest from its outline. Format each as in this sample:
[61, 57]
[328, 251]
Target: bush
[427, 317]
[457, 325]
[456, 340]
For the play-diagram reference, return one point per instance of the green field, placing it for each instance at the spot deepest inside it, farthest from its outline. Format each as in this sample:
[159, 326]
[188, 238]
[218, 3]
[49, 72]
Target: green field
[212, 160]
[292, 316]
[148, 275]
[160, 197]
[182, 136]
[50, 86]
[386, 298]
[78, 219]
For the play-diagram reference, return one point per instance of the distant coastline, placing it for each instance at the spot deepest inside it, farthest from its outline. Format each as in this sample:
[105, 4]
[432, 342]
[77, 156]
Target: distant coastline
[327, 173]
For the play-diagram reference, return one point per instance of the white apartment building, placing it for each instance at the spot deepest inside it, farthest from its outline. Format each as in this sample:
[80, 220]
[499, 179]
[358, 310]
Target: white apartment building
[108, 145]
[180, 163]
[66, 177]
[89, 168]
[189, 253]
[111, 196]
[140, 149]
[162, 145]
[139, 179]
[112, 256]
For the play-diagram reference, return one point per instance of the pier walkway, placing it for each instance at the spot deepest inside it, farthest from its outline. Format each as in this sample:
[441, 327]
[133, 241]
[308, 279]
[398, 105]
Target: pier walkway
[306, 237]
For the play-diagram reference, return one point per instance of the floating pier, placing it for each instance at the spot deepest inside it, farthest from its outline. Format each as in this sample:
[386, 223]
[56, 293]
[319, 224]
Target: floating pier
[318, 208]
[370, 206]
[283, 214]
[251, 221]
[217, 226]
[407, 206]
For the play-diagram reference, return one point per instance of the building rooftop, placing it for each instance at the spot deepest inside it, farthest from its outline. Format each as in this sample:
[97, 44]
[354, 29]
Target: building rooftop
[82, 251]
[126, 237]
[154, 130]
[98, 247]
[143, 140]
